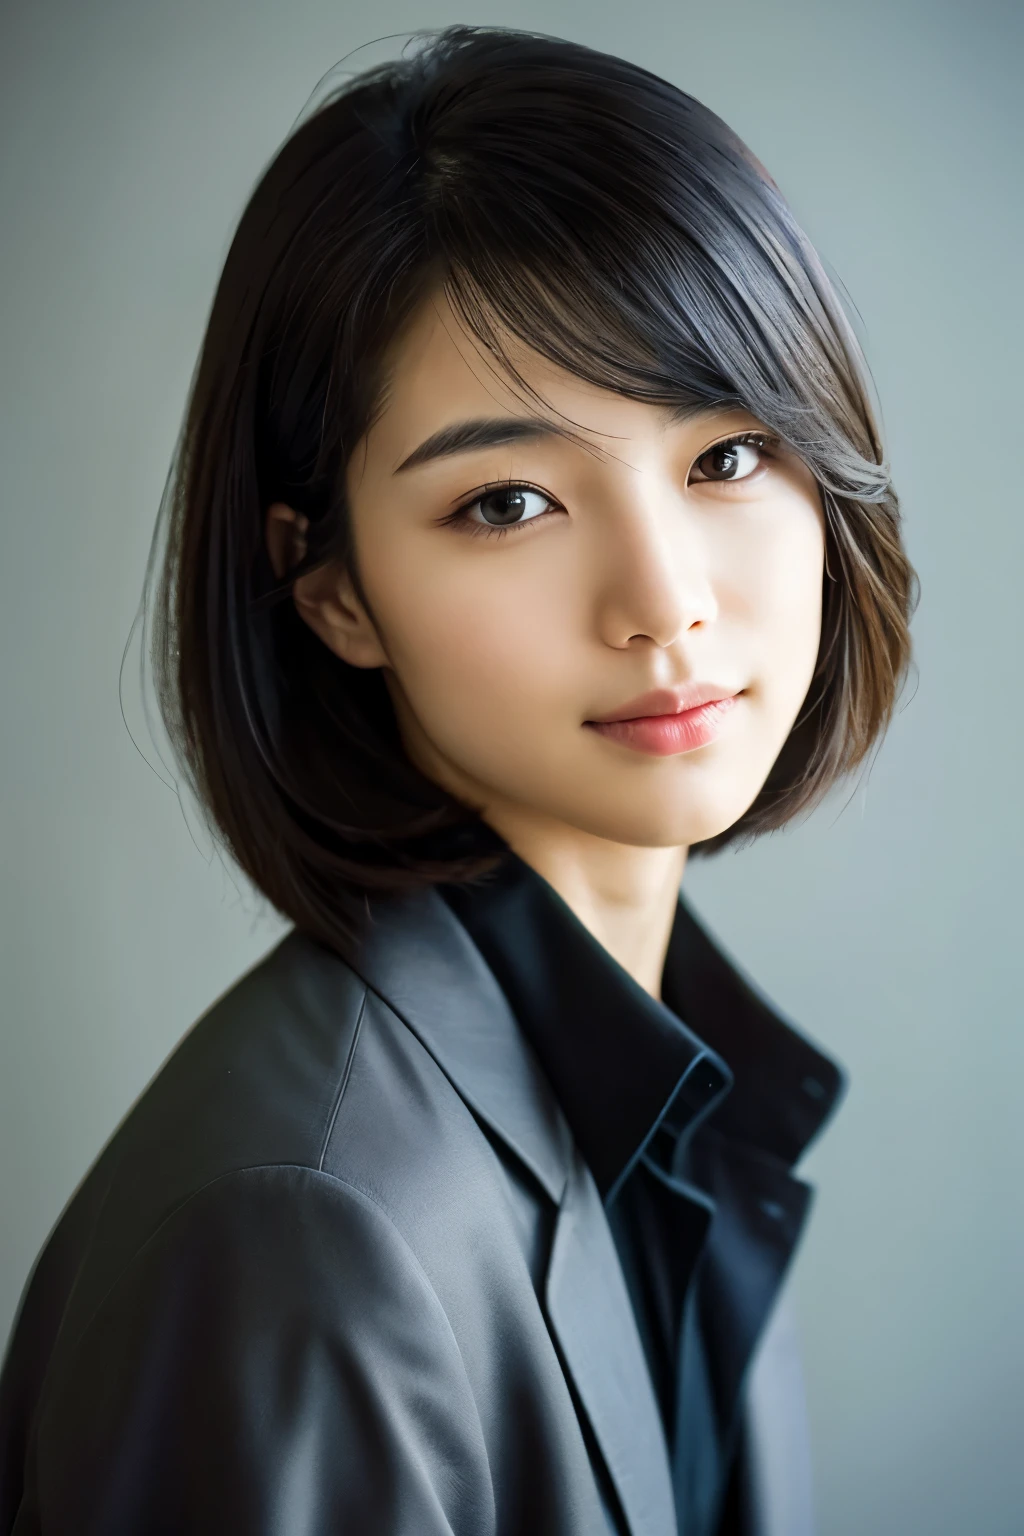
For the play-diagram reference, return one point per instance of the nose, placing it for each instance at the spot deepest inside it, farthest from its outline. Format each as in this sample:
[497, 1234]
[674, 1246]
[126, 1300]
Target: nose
[656, 582]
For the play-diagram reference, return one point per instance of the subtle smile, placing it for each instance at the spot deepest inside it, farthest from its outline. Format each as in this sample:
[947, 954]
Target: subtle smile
[665, 729]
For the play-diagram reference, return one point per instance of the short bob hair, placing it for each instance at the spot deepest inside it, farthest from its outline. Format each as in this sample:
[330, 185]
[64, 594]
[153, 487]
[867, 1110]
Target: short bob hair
[616, 226]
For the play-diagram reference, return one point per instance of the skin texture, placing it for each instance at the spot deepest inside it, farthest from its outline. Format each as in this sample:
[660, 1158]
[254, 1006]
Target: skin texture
[632, 568]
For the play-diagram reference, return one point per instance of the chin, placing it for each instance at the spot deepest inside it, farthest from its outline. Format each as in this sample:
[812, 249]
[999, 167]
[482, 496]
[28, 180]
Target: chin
[653, 825]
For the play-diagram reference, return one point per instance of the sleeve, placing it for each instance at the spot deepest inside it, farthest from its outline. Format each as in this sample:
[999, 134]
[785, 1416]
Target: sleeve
[274, 1362]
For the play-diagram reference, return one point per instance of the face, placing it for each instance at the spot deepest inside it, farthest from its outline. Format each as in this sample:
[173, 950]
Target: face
[566, 564]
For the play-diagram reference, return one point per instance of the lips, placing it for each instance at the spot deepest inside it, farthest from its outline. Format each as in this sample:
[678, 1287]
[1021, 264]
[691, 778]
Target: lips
[667, 701]
[669, 721]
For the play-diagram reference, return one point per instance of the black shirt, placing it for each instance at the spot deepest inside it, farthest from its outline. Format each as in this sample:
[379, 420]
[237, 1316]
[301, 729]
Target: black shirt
[690, 1114]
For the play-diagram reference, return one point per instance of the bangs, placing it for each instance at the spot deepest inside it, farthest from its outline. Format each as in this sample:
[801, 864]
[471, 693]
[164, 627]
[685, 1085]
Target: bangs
[651, 255]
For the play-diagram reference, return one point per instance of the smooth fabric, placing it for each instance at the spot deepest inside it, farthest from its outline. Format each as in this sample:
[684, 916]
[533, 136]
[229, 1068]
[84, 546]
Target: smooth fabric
[344, 1268]
[640, 1089]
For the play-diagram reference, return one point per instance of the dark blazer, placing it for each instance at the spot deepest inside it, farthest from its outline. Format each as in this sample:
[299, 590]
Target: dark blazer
[342, 1269]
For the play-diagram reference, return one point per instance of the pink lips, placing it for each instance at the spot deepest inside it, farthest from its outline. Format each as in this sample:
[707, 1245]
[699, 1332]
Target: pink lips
[669, 721]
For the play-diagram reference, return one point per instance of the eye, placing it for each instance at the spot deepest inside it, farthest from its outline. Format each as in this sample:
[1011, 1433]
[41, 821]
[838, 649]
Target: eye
[735, 458]
[504, 506]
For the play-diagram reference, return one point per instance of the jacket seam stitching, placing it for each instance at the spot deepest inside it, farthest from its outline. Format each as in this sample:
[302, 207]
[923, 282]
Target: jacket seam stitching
[343, 1084]
[564, 1160]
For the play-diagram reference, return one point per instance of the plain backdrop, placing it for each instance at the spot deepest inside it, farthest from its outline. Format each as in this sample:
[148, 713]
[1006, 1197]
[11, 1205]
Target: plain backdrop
[888, 925]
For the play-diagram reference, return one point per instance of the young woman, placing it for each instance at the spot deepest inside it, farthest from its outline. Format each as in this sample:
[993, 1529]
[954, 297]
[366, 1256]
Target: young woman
[531, 529]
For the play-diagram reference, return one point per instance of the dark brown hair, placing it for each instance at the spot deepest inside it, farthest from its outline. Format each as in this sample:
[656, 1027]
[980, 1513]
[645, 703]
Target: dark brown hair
[616, 226]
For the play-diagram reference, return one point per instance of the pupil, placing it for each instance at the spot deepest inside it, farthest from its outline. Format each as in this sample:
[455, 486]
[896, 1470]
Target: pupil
[724, 459]
[513, 508]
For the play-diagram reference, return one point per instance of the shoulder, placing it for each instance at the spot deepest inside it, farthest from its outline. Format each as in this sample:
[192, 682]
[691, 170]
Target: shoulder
[274, 1335]
[267, 1079]
[336, 1168]
[247, 1261]
[256, 1080]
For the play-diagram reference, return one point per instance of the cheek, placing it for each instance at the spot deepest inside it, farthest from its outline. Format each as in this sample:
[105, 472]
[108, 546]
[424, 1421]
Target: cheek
[777, 585]
[471, 634]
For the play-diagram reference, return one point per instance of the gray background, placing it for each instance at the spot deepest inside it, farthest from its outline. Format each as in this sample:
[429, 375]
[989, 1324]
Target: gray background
[888, 924]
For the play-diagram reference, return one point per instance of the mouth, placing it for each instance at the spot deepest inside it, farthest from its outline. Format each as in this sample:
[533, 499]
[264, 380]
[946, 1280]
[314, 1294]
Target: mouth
[669, 722]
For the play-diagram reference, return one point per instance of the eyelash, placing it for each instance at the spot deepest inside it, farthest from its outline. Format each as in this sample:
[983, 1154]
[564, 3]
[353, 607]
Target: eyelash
[766, 441]
[763, 440]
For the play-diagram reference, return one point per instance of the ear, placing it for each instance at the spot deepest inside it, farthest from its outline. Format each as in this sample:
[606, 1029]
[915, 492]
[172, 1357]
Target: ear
[326, 598]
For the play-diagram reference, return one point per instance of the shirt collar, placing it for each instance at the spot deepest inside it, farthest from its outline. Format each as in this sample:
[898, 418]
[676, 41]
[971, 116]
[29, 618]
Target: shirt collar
[620, 1062]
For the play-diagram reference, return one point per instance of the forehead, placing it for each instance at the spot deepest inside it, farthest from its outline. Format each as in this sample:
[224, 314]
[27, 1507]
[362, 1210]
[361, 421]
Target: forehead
[438, 372]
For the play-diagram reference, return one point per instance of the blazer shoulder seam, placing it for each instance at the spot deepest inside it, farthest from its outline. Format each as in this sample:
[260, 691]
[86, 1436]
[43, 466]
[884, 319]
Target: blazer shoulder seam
[320, 1176]
[226, 1174]
[362, 1197]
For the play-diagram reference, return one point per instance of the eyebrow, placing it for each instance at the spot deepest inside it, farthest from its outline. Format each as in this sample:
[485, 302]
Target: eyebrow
[482, 432]
[498, 431]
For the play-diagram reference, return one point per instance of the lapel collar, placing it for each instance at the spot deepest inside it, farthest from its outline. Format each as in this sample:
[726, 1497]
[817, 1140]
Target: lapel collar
[591, 1314]
[416, 954]
[419, 958]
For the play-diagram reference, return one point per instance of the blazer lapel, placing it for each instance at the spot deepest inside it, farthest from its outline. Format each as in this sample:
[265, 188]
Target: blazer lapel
[591, 1315]
[421, 960]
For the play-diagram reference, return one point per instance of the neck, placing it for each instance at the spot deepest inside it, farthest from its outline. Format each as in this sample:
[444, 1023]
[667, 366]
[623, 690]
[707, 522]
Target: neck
[625, 896]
